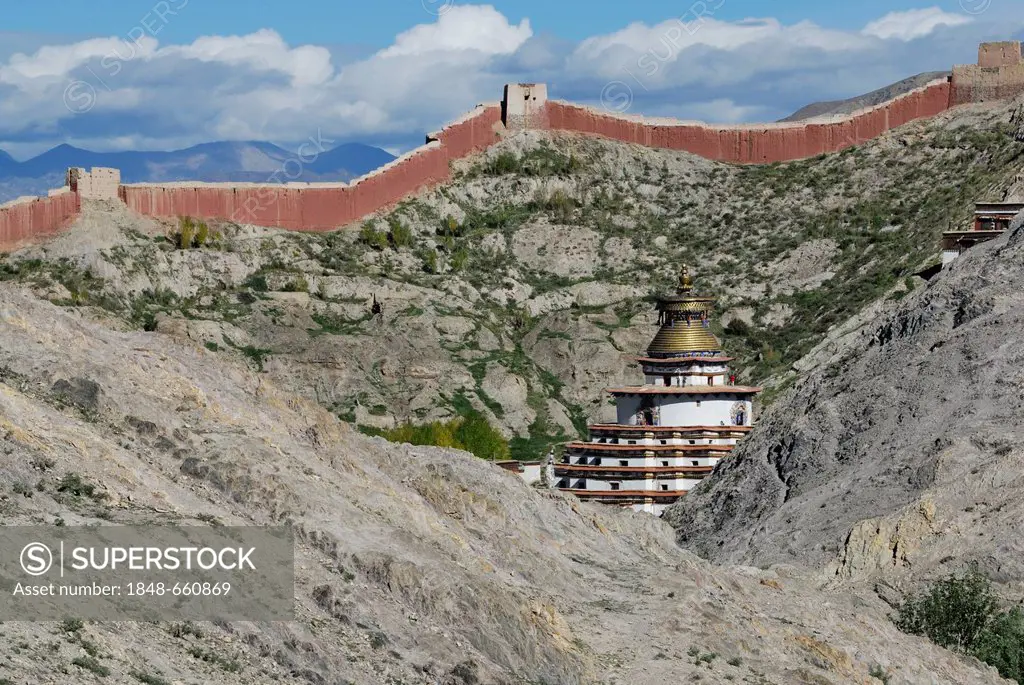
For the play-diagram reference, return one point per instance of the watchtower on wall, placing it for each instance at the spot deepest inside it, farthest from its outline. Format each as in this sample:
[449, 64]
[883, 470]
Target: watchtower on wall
[524, 105]
[101, 183]
[998, 75]
[1002, 54]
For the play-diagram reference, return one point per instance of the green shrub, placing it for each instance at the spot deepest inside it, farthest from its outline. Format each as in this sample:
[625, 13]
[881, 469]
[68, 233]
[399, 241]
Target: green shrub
[961, 612]
[505, 163]
[257, 282]
[399, 234]
[71, 625]
[561, 206]
[429, 257]
[475, 434]
[226, 663]
[202, 234]
[737, 327]
[1001, 644]
[91, 664]
[459, 259]
[148, 679]
[952, 613]
[472, 433]
[192, 233]
[450, 228]
[371, 237]
[186, 233]
[73, 484]
[297, 285]
[879, 673]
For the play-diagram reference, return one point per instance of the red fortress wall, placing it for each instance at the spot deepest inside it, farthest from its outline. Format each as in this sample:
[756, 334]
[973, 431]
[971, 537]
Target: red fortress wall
[323, 206]
[26, 220]
[757, 143]
[999, 74]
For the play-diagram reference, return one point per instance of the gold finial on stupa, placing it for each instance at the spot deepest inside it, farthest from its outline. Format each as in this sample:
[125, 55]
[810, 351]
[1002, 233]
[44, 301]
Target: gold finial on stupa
[685, 282]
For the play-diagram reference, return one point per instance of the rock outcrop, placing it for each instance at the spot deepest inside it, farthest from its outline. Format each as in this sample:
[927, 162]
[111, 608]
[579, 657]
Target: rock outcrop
[900, 453]
[413, 565]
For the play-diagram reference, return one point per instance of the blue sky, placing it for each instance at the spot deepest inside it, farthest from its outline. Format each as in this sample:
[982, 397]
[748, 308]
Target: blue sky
[116, 74]
[375, 23]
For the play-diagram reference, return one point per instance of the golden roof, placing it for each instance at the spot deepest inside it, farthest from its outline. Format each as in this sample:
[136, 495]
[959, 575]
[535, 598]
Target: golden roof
[684, 319]
[678, 338]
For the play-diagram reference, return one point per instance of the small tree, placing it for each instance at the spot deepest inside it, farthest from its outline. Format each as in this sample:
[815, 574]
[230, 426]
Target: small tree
[962, 613]
[1001, 644]
[953, 612]
[477, 435]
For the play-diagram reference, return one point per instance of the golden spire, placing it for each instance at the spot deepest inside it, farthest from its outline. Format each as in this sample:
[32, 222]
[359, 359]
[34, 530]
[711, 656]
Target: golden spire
[685, 282]
[684, 320]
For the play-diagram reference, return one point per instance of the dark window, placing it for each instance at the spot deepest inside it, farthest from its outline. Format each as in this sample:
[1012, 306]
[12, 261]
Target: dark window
[623, 462]
[664, 486]
[615, 486]
[664, 463]
[668, 380]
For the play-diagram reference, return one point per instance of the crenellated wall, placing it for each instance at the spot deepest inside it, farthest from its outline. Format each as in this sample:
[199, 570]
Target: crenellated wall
[101, 183]
[323, 206]
[756, 143]
[999, 74]
[28, 219]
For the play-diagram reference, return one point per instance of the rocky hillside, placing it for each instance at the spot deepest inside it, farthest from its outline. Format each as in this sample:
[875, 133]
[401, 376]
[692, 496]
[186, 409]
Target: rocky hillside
[897, 456]
[875, 97]
[523, 288]
[414, 565]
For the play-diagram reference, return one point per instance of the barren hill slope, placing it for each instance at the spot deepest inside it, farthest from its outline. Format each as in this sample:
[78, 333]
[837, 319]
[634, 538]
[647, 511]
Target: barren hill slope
[413, 565]
[522, 288]
[898, 454]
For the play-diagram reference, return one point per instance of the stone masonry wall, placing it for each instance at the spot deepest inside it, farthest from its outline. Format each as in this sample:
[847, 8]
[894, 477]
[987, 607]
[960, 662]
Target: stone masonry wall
[755, 143]
[1003, 54]
[525, 106]
[28, 219]
[99, 184]
[999, 74]
[323, 206]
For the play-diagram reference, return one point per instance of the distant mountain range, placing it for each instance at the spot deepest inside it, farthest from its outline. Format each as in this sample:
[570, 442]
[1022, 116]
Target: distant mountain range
[250, 161]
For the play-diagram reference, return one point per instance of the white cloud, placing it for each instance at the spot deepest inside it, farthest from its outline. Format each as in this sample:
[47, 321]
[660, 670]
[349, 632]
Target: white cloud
[913, 23]
[257, 86]
[57, 61]
[264, 51]
[720, 110]
[463, 27]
